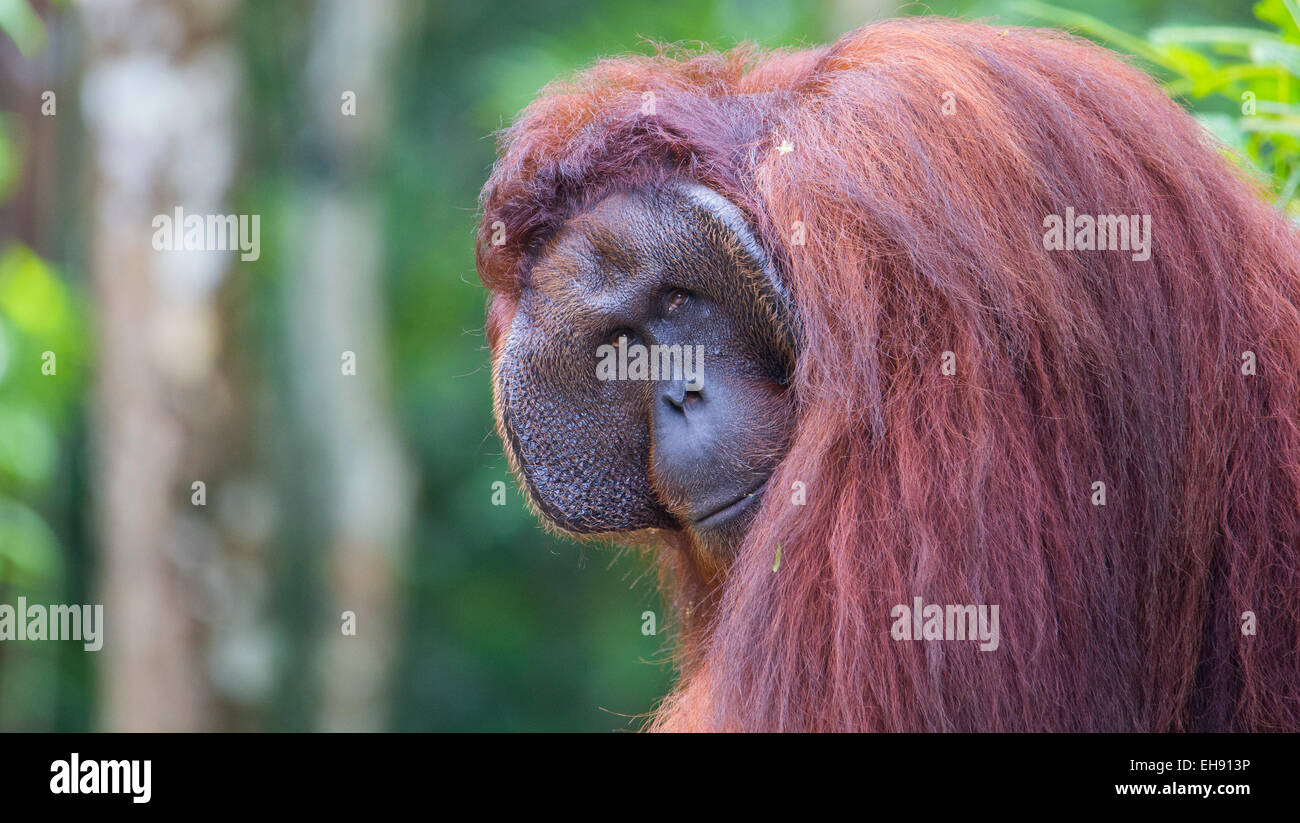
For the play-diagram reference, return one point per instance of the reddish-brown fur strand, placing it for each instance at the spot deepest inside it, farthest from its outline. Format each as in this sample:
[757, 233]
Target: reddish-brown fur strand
[924, 234]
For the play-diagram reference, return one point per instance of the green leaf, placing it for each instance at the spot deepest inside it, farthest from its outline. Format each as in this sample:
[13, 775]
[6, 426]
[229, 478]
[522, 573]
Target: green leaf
[1289, 126]
[1218, 80]
[29, 552]
[1092, 26]
[22, 24]
[28, 446]
[1239, 36]
[31, 296]
[1285, 14]
[1188, 62]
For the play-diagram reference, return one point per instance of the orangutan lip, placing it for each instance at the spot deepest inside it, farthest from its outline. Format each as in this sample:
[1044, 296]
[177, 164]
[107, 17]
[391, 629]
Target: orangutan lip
[719, 516]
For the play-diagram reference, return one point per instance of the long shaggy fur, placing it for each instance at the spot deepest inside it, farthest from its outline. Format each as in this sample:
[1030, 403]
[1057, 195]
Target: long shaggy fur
[924, 234]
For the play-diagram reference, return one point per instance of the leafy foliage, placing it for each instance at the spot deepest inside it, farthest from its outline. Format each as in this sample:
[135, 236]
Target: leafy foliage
[1243, 81]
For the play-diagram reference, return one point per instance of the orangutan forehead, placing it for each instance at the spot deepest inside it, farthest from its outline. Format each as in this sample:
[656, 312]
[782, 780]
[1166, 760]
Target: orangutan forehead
[628, 239]
[593, 252]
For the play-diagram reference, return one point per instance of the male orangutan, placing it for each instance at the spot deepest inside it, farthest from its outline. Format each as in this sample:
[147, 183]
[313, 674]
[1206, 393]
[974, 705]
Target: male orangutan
[985, 321]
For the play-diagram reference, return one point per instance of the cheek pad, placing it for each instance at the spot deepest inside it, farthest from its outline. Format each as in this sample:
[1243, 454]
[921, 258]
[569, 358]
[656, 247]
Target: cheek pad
[581, 444]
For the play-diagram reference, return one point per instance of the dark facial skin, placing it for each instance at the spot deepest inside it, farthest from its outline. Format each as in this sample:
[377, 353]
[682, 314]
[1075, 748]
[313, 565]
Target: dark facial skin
[675, 266]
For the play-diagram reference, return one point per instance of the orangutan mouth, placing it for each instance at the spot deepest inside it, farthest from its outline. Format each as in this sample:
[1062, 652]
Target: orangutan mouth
[727, 512]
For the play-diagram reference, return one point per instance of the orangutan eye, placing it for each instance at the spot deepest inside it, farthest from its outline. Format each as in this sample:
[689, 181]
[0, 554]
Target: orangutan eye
[676, 299]
[621, 337]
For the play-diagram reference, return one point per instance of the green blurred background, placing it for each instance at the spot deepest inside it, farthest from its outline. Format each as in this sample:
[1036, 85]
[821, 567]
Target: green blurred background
[325, 492]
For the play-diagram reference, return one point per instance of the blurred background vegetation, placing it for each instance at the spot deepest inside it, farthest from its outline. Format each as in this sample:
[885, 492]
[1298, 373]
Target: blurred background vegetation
[128, 375]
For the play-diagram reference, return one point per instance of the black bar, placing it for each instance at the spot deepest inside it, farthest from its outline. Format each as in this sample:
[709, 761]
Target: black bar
[544, 774]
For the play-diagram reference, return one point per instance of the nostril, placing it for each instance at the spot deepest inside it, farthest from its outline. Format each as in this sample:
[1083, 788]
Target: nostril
[682, 398]
[676, 397]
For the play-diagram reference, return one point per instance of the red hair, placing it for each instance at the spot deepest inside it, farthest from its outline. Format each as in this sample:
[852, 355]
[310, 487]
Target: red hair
[922, 234]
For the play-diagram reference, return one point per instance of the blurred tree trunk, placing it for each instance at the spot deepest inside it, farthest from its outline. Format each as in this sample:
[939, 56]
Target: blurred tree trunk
[339, 358]
[160, 87]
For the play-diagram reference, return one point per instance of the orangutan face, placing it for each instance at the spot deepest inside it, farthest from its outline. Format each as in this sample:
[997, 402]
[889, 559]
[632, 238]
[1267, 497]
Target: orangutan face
[643, 381]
